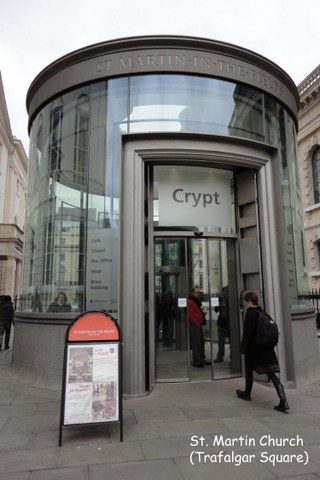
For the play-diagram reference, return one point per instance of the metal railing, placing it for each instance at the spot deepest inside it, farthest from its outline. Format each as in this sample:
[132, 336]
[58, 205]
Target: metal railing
[314, 297]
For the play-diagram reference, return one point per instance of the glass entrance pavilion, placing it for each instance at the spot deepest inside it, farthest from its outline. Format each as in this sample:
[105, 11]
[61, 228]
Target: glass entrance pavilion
[158, 164]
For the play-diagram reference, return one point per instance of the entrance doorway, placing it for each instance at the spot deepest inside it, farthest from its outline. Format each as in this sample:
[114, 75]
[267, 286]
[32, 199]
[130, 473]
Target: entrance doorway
[182, 263]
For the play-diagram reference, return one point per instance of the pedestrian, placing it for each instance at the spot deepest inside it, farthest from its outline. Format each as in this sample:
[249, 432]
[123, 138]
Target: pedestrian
[196, 318]
[262, 359]
[6, 319]
[60, 305]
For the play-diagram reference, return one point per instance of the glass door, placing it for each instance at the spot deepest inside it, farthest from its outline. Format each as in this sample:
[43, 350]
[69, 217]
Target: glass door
[199, 294]
[171, 328]
[195, 275]
[223, 308]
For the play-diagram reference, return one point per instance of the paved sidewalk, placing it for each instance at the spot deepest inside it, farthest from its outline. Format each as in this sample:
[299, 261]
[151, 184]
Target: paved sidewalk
[157, 434]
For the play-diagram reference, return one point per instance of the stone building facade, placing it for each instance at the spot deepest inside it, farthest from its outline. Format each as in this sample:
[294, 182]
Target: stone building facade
[13, 190]
[309, 156]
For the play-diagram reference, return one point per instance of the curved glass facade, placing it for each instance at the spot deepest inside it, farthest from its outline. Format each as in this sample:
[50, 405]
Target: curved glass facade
[74, 172]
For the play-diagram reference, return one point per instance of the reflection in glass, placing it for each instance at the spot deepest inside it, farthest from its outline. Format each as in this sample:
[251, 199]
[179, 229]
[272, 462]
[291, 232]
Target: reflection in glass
[247, 118]
[224, 308]
[186, 103]
[170, 319]
[297, 268]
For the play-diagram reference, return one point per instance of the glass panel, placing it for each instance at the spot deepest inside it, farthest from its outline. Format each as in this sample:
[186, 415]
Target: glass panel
[298, 267]
[54, 266]
[170, 309]
[200, 335]
[223, 308]
[247, 118]
[108, 113]
[272, 120]
[193, 198]
[186, 103]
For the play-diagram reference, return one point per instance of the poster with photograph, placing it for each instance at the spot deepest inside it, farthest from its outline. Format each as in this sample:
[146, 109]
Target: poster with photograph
[92, 384]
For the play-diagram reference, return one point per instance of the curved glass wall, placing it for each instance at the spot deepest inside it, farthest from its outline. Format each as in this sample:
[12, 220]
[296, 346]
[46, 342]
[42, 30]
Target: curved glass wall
[71, 241]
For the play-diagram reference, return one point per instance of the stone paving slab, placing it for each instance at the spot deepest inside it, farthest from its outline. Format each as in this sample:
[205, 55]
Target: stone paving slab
[314, 452]
[49, 407]
[158, 414]
[190, 427]
[302, 477]
[45, 439]
[3, 421]
[15, 476]
[245, 424]
[14, 441]
[74, 473]
[129, 417]
[134, 432]
[91, 455]
[256, 407]
[282, 469]
[155, 469]
[315, 411]
[25, 399]
[309, 434]
[31, 423]
[166, 447]
[71, 436]
[23, 460]
[7, 398]
[19, 410]
[200, 413]
[291, 418]
[225, 471]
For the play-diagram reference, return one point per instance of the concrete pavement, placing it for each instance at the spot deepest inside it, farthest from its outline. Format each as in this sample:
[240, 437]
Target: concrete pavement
[161, 430]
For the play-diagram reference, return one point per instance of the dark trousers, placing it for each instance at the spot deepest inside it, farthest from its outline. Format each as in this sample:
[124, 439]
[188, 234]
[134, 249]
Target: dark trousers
[2, 330]
[196, 343]
[7, 332]
[249, 379]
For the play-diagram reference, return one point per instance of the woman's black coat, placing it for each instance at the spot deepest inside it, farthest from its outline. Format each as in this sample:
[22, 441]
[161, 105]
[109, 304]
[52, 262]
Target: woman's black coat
[261, 359]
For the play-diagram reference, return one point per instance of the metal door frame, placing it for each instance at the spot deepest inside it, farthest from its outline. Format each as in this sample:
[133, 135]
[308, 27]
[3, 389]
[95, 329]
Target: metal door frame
[138, 152]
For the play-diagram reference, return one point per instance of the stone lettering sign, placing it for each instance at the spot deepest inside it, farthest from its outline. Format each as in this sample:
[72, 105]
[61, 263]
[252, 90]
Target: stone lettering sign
[159, 60]
[207, 63]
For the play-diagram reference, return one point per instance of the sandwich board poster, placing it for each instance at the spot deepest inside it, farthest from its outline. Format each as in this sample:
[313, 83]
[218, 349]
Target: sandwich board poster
[91, 390]
[92, 384]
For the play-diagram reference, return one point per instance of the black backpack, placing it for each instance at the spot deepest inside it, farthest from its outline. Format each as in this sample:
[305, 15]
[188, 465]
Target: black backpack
[267, 333]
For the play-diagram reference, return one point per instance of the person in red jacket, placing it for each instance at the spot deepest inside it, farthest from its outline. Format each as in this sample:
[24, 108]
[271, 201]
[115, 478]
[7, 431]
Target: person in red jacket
[196, 319]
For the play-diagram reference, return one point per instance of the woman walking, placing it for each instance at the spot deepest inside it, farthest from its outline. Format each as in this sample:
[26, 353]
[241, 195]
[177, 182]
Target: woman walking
[262, 359]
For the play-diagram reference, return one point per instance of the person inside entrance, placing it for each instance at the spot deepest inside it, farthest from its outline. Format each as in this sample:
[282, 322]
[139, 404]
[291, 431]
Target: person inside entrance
[196, 319]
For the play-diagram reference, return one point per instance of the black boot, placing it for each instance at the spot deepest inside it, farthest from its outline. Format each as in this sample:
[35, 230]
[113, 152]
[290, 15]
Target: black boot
[243, 394]
[283, 405]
